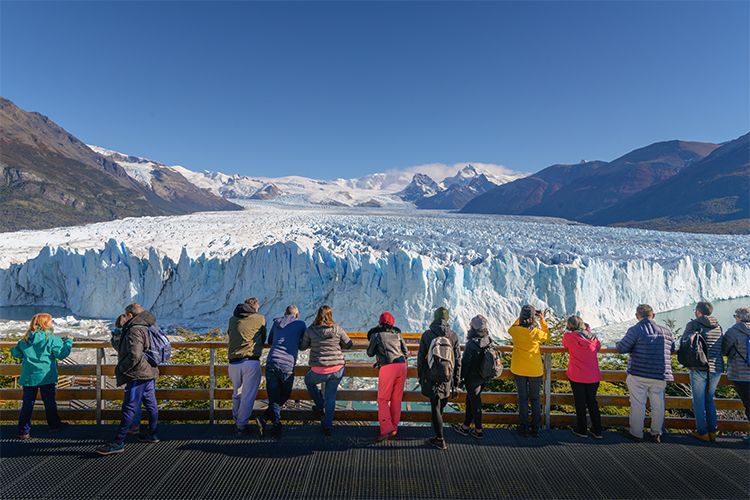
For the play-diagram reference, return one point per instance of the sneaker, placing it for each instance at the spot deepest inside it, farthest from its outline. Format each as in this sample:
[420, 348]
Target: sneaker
[437, 443]
[476, 433]
[393, 434]
[596, 435]
[461, 429]
[110, 449]
[23, 437]
[61, 427]
[148, 438]
[383, 437]
[579, 434]
[712, 436]
[656, 438]
[700, 437]
[630, 436]
[261, 425]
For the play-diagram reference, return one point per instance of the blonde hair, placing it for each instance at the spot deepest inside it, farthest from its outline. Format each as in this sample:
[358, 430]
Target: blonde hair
[324, 317]
[41, 321]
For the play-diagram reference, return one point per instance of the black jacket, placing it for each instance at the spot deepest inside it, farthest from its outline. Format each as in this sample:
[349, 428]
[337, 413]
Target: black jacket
[476, 341]
[440, 390]
[131, 361]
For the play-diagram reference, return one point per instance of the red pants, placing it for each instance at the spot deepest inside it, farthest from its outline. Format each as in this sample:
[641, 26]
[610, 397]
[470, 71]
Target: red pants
[391, 380]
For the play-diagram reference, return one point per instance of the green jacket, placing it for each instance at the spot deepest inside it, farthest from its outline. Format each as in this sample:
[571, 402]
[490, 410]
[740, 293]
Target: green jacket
[39, 357]
[247, 334]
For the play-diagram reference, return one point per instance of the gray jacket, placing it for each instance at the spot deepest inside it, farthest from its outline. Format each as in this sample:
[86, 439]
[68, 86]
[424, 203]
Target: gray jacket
[131, 360]
[713, 333]
[325, 344]
[734, 347]
[387, 345]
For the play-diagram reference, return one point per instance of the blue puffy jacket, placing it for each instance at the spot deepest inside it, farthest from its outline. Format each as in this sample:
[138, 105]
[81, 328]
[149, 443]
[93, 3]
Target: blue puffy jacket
[650, 347]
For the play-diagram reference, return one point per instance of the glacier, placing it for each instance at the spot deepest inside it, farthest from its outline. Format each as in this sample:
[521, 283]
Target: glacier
[192, 270]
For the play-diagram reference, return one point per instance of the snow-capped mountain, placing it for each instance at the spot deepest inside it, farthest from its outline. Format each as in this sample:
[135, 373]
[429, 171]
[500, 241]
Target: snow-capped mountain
[383, 189]
[364, 263]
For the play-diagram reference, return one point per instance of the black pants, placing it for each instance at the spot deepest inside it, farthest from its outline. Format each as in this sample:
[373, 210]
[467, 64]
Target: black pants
[528, 391]
[437, 405]
[473, 406]
[585, 398]
[743, 389]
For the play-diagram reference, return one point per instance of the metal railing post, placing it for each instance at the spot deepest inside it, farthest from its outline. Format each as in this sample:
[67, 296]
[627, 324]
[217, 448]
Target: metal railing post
[211, 384]
[547, 389]
[99, 359]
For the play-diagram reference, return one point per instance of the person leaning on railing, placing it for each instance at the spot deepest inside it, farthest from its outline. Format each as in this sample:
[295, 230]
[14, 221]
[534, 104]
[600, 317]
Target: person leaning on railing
[583, 374]
[39, 352]
[391, 354]
[325, 339]
[526, 366]
[649, 369]
[735, 346]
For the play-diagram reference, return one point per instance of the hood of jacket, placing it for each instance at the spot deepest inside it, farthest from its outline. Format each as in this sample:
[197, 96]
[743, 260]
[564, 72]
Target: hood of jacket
[707, 322]
[325, 332]
[143, 319]
[743, 327]
[477, 334]
[586, 334]
[284, 321]
[440, 328]
[38, 336]
[386, 328]
[243, 311]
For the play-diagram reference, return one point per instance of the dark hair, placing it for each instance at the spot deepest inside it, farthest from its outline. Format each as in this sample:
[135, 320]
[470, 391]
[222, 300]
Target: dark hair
[120, 321]
[134, 309]
[526, 317]
[575, 324]
[705, 308]
[644, 311]
[292, 309]
[324, 317]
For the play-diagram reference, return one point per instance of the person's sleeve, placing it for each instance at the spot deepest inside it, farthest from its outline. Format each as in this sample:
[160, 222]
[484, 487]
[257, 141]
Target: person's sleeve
[566, 341]
[543, 331]
[421, 358]
[270, 334]
[372, 346]
[304, 343]
[598, 345]
[625, 345]
[465, 361]
[404, 349]
[61, 348]
[726, 345]
[263, 335]
[457, 369]
[673, 344]
[16, 351]
[345, 341]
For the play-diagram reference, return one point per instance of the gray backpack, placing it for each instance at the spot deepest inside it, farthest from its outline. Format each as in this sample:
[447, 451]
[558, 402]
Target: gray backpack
[490, 363]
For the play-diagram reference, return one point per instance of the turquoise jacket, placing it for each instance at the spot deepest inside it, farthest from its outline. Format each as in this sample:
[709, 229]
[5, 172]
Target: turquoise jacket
[39, 357]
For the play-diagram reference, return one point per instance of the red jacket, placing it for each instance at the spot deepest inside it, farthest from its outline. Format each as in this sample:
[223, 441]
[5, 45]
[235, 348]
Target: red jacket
[583, 365]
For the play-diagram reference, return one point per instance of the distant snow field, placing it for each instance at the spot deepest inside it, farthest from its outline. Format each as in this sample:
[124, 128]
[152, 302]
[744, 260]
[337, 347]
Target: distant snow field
[193, 269]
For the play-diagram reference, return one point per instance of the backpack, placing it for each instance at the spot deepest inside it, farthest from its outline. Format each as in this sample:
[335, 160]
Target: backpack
[693, 350]
[490, 363]
[440, 360]
[159, 349]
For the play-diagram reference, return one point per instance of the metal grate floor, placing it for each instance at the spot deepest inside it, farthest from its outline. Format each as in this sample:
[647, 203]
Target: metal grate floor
[208, 462]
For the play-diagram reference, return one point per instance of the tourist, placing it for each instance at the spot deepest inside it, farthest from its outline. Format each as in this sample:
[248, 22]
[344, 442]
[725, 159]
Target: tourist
[115, 339]
[247, 334]
[649, 369]
[583, 374]
[703, 382]
[138, 375]
[391, 354]
[478, 342]
[735, 347]
[325, 339]
[284, 338]
[439, 370]
[527, 334]
[39, 352]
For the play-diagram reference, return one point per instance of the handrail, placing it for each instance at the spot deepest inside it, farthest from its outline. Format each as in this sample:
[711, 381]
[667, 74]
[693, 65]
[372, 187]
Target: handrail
[213, 393]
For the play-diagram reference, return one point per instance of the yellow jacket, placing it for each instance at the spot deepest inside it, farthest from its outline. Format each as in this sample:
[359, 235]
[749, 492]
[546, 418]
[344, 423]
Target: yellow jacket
[526, 360]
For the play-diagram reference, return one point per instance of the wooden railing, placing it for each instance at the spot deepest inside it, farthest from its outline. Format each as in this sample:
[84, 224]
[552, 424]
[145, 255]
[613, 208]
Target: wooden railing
[213, 394]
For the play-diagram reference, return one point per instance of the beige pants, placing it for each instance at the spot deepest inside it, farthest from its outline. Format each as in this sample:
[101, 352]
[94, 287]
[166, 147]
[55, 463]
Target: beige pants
[641, 389]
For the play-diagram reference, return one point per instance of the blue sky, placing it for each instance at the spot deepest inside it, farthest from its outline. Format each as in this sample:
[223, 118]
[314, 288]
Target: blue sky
[344, 89]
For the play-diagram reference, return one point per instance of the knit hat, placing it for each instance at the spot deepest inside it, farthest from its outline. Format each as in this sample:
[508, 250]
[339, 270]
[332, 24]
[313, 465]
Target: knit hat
[441, 314]
[527, 312]
[387, 319]
[478, 322]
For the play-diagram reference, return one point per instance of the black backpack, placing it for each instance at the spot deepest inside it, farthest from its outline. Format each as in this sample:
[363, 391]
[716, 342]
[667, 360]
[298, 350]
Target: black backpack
[693, 350]
[490, 363]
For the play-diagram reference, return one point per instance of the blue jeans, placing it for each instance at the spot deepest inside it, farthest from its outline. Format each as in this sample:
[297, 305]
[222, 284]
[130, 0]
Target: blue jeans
[136, 392]
[528, 392]
[279, 385]
[703, 386]
[27, 407]
[327, 400]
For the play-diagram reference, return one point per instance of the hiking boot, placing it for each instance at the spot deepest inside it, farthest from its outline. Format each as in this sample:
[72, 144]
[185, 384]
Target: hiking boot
[712, 436]
[110, 449]
[148, 438]
[23, 437]
[656, 438]
[580, 434]
[437, 443]
[700, 437]
[61, 427]
[476, 433]
[461, 429]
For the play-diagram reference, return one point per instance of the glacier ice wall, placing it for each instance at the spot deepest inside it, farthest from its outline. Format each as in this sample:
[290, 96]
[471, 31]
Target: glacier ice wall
[201, 292]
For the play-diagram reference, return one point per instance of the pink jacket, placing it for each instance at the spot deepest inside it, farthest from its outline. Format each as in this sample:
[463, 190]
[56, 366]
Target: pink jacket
[583, 366]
